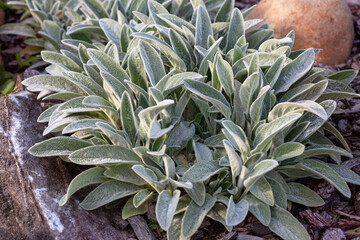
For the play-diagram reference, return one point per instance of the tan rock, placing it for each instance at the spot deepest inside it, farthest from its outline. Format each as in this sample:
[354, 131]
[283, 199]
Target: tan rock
[323, 24]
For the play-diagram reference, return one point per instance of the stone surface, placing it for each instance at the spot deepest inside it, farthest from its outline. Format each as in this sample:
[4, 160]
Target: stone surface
[141, 228]
[325, 24]
[333, 234]
[30, 188]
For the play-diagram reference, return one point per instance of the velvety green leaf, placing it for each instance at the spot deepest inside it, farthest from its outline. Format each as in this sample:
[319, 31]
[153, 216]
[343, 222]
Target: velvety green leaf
[256, 107]
[75, 105]
[202, 152]
[345, 76]
[112, 30]
[152, 62]
[174, 231]
[141, 197]
[279, 192]
[324, 149]
[86, 178]
[82, 125]
[224, 13]
[304, 195]
[287, 107]
[236, 29]
[197, 192]
[259, 209]
[234, 159]
[124, 173]
[266, 133]
[247, 90]
[346, 173]
[165, 207]
[180, 48]
[236, 212]
[286, 225]
[58, 146]
[149, 176]
[226, 76]
[210, 94]
[194, 216]
[130, 210]
[104, 154]
[107, 64]
[236, 135]
[85, 83]
[202, 171]
[204, 65]
[128, 119]
[203, 27]
[96, 8]
[60, 60]
[323, 170]
[108, 192]
[288, 150]
[180, 135]
[17, 29]
[262, 190]
[305, 92]
[260, 170]
[293, 71]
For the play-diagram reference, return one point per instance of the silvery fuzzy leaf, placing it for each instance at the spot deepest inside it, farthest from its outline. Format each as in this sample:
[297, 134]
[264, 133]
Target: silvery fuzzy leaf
[124, 173]
[130, 210]
[165, 207]
[108, 192]
[236, 212]
[256, 108]
[345, 76]
[182, 103]
[315, 121]
[128, 119]
[124, 38]
[93, 74]
[278, 178]
[197, 193]
[108, 65]
[148, 116]
[236, 135]
[202, 171]
[234, 159]
[58, 146]
[75, 105]
[114, 88]
[96, 155]
[210, 94]
[324, 149]
[261, 189]
[272, 75]
[60, 96]
[288, 107]
[272, 44]
[259, 209]
[141, 197]
[155, 8]
[174, 231]
[202, 152]
[247, 90]
[226, 76]
[84, 29]
[165, 49]
[17, 29]
[143, 18]
[301, 194]
[224, 13]
[260, 170]
[176, 22]
[82, 125]
[203, 27]
[254, 65]
[197, 3]
[52, 83]
[204, 65]
[295, 70]
[59, 124]
[288, 150]
[180, 48]
[286, 225]
[150, 177]
[305, 92]
[86, 178]
[113, 134]
[323, 170]
[180, 135]
[236, 28]
[215, 141]
[152, 62]
[194, 216]
[96, 8]
[112, 30]
[85, 83]
[137, 70]
[257, 37]
[99, 102]
[269, 130]
[83, 55]
[279, 193]
[169, 164]
[346, 173]
[45, 115]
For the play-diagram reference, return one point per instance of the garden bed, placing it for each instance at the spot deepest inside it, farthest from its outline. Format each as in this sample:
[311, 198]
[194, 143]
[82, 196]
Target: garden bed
[337, 219]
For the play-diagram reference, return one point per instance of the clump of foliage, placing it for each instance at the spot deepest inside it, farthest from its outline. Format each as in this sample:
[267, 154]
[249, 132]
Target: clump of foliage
[194, 111]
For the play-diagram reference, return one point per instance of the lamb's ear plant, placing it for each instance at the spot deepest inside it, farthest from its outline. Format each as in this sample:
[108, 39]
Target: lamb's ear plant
[196, 113]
